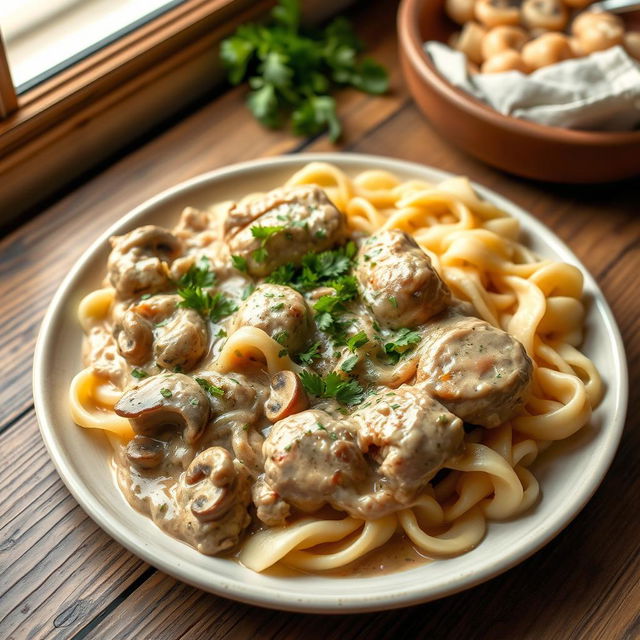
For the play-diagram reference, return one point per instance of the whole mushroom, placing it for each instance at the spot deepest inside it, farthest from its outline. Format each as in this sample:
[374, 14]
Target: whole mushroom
[552, 15]
[493, 13]
[547, 49]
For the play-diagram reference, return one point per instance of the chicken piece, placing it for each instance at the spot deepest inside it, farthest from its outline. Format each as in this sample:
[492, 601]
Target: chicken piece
[176, 337]
[279, 311]
[300, 219]
[213, 495]
[311, 459]
[398, 282]
[410, 436]
[100, 352]
[480, 373]
[139, 261]
[270, 507]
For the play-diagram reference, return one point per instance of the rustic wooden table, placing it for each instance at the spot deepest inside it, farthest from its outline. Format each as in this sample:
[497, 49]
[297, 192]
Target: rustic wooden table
[62, 577]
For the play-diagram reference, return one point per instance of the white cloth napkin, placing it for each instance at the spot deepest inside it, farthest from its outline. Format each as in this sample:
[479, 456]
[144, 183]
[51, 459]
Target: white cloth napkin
[599, 92]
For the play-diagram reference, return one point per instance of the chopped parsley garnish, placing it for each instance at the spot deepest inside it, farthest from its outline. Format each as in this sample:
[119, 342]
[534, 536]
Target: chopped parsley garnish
[239, 263]
[403, 341]
[349, 364]
[282, 353]
[210, 388]
[162, 323]
[281, 337]
[221, 307]
[317, 269]
[393, 301]
[332, 386]
[166, 393]
[139, 374]
[278, 307]
[198, 276]
[263, 234]
[248, 290]
[357, 341]
[311, 354]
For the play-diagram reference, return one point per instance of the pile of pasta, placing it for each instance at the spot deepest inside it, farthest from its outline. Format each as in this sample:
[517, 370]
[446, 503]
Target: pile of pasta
[475, 247]
[500, 35]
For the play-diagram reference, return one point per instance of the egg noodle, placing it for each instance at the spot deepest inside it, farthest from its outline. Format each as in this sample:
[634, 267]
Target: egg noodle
[474, 246]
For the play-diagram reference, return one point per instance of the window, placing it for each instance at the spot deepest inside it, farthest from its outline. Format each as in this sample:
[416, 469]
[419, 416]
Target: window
[42, 38]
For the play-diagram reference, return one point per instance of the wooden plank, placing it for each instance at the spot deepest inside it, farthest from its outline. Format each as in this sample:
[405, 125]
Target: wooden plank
[59, 570]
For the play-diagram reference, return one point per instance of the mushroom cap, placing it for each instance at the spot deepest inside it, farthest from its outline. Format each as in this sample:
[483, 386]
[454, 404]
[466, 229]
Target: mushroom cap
[162, 401]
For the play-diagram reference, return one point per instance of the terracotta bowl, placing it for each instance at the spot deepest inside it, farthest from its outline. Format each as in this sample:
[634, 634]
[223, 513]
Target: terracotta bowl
[524, 148]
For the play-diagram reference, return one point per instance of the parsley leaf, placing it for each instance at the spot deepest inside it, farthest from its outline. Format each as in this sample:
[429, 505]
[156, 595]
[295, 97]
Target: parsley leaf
[332, 386]
[139, 374]
[403, 342]
[264, 233]
[198, 275]
[349, 364]
[221, 307]
[357, 341]
[210, 388]
[239, 263]
[311, 354]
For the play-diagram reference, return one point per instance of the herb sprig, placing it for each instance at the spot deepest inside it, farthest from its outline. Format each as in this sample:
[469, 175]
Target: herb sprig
[291, 72]
[191, 288]
[332, 386]
[403, 342]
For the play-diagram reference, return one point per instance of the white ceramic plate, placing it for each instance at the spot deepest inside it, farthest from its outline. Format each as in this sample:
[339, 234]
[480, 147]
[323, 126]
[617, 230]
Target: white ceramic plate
[569, 472]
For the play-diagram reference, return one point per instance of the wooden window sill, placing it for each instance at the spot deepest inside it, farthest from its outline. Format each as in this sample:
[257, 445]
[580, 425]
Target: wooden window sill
[83, 115]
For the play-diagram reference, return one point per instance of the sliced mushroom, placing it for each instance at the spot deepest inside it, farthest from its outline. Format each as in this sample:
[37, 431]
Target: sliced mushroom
[287, 396]
[146, 453]
[211, 480]
[135, 337]
[166, 401]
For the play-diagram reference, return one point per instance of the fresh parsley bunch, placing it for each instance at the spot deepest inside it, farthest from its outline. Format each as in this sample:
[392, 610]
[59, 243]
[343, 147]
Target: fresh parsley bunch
[291, 72]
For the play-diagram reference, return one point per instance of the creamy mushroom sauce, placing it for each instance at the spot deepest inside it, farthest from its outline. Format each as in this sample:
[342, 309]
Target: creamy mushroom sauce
[389, 366]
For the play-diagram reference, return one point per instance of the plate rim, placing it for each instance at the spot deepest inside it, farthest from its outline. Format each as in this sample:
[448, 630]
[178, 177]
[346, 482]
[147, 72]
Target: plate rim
[320, 603]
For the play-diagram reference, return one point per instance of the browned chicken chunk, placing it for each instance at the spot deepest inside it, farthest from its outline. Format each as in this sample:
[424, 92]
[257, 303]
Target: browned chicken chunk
[279, 311]
[409, 435]
[139, 261]
[478, 372]
[398, 282]
[296, 220]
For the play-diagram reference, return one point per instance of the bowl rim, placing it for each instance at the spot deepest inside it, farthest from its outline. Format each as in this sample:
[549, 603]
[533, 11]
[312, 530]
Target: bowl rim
[411, 43]
[238, 589]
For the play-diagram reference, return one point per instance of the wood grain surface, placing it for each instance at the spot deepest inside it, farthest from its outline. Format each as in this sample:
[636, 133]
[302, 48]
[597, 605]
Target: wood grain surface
[62, 577]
